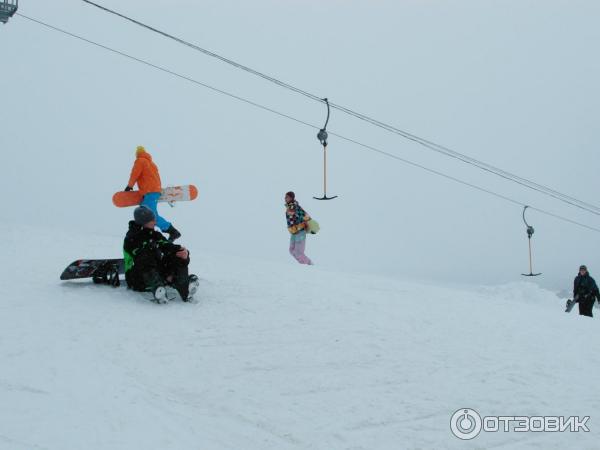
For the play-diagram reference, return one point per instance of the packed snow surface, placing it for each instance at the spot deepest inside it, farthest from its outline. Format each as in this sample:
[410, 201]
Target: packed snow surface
[278, 356]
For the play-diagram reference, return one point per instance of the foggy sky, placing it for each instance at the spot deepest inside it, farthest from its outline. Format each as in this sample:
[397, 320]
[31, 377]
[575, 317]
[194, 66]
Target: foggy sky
[512, 83]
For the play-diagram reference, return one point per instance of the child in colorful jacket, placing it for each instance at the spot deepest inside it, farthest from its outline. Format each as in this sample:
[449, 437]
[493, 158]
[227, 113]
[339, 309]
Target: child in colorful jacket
[297, 220]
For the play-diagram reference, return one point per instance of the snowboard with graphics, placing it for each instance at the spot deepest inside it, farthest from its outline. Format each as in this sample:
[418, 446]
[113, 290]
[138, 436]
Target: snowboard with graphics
[171, 194]
[100, 270]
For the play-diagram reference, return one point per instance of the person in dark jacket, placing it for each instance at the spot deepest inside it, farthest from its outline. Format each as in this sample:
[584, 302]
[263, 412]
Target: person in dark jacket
[152, 262]
[585, 291]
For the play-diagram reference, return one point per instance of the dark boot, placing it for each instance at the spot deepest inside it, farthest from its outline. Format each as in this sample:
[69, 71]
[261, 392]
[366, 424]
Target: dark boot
[173, 233]
[181, 282]
[193, 284]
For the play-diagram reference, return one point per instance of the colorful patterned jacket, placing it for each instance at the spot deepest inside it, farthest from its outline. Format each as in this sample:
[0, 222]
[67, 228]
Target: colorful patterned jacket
[296, 217]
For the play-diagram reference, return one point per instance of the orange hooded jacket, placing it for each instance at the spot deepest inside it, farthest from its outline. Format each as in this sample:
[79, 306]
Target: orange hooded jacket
[145, 174]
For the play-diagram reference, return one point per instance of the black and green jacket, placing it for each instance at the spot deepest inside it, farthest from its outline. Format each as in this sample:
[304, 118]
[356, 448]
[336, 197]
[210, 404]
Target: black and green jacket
[145, 243]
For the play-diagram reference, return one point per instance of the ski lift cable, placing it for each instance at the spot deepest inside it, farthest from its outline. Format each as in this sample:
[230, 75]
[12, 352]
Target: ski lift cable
[168, 71]
[479, 164]
[209, 53]
[423, 142]
[465, 183]
[289, 117]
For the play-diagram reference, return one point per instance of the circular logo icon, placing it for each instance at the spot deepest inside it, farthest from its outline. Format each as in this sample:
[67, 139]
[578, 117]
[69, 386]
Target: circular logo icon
[466, 424]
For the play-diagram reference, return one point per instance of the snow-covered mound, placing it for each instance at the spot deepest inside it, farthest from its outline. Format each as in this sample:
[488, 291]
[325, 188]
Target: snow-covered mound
[277, 357]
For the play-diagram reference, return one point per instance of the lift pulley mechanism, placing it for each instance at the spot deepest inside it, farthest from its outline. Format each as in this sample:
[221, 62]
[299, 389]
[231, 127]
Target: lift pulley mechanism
[322, 136]
[530, 232]
[8, 8]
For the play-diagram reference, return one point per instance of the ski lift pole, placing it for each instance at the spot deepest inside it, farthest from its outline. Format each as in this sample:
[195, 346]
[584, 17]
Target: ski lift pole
[530, 232]
[530, 258]
[325, 168]
[322, 136]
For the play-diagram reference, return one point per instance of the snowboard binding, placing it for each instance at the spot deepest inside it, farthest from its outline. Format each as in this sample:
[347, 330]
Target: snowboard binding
[108, 273]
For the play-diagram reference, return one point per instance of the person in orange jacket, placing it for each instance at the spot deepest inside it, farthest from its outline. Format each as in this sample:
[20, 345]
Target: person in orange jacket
[145, 174]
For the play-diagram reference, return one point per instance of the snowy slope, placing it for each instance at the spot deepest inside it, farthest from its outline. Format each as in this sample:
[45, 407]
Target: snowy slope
[277, 357]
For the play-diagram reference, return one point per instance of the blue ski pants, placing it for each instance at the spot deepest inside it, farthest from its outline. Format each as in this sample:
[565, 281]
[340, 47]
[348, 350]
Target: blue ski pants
[151, 201]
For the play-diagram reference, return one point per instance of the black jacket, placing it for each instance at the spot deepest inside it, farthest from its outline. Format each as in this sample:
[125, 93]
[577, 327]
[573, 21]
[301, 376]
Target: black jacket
[585, 286]
[143, 242]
